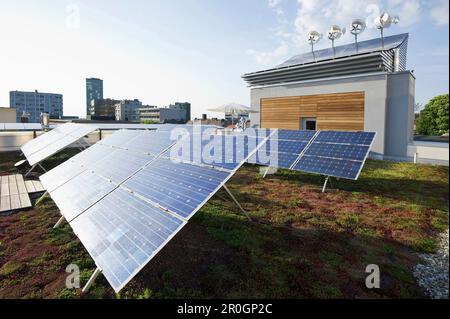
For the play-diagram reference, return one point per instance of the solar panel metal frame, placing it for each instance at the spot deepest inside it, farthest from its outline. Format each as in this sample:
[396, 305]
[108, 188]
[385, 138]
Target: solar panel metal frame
[313, 140]
[156, 205]
[74, 134]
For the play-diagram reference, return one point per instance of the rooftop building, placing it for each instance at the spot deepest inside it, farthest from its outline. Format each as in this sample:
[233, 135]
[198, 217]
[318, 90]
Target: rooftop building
[364, 87]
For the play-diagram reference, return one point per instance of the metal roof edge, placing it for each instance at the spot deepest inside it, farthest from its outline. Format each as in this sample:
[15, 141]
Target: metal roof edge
[319, 80]
[404, 35]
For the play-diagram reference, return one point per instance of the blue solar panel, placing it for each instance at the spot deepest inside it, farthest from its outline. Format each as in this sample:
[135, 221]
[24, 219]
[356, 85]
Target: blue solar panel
[329, 166]
[179, 187]
[120, 164]
[223, 151]
[122, 233]
[278, 160]
[339, 154]
[294, 135]
[342, 151]
[358, 138]
[80, 193]
[120, 137]
[150, 142]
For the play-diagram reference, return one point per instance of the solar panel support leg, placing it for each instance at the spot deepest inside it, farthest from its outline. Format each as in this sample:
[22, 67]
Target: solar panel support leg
[325, 184]
[236, 202]
[91, 280]
[42, 167]
[41, 198]
[59, 222]
[267, 171]
[31, 169]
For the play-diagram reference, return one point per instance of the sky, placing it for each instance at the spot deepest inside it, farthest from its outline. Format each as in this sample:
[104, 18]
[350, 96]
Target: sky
[162, 51]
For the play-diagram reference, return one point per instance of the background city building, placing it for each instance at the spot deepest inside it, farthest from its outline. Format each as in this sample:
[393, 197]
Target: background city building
[32, 104]
[7, 115]
[183, 106]
[126, 110]
[103, 110]
[94, 92]
[171, 114]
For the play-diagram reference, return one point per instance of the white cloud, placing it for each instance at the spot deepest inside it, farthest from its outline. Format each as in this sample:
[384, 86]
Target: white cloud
[439, 13]
[276, 6]
[266, 58]
[321, 14]
[273, 3]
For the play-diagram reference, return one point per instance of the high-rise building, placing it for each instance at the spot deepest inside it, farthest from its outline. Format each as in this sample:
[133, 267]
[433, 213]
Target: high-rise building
[32, 104]
[94, 92]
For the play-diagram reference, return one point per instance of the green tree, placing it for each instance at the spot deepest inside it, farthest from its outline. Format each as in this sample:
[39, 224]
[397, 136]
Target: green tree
[433, 119]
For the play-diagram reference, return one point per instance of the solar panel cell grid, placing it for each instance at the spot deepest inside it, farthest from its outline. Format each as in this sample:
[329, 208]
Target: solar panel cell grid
[329, 167]
[150, 142]
[179, 187]
[120, 164]
[294, 135]
[352, 152]
[358, 138]
[122, 232]
[280, 160]
[120, 137]
[72, 202]
[224, 151]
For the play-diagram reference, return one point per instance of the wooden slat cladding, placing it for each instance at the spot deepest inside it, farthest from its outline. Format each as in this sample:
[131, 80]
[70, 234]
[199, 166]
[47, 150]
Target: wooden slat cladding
[338, 111]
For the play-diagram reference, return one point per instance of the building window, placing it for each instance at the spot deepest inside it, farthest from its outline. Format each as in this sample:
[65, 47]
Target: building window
[308, 123]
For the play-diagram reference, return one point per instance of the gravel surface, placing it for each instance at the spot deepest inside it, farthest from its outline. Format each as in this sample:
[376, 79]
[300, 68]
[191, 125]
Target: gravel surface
[432, 273]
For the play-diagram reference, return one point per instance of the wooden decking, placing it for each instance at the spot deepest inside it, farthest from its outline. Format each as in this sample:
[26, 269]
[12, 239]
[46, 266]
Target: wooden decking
[14, 192]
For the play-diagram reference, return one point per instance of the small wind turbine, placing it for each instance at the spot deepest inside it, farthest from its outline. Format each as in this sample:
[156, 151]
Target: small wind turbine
[358, 26]
[313, 38]
[333, 34]
[385, 21]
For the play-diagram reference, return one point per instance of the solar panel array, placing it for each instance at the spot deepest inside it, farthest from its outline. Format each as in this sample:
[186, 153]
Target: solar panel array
[330, 153]
[54, 141]
[338, 154]
[137, 193]
[20, 127]
[282, 148]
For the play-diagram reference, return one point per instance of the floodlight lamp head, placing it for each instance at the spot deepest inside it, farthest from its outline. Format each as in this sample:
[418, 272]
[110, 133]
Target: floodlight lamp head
[358, 26]
[314, 37]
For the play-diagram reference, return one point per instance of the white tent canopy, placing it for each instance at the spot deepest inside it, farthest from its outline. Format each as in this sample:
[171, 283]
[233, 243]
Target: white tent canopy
[233, 108]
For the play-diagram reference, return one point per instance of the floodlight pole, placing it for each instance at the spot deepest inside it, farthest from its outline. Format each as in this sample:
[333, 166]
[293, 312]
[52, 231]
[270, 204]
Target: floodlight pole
[236, 202]
[91, 280]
